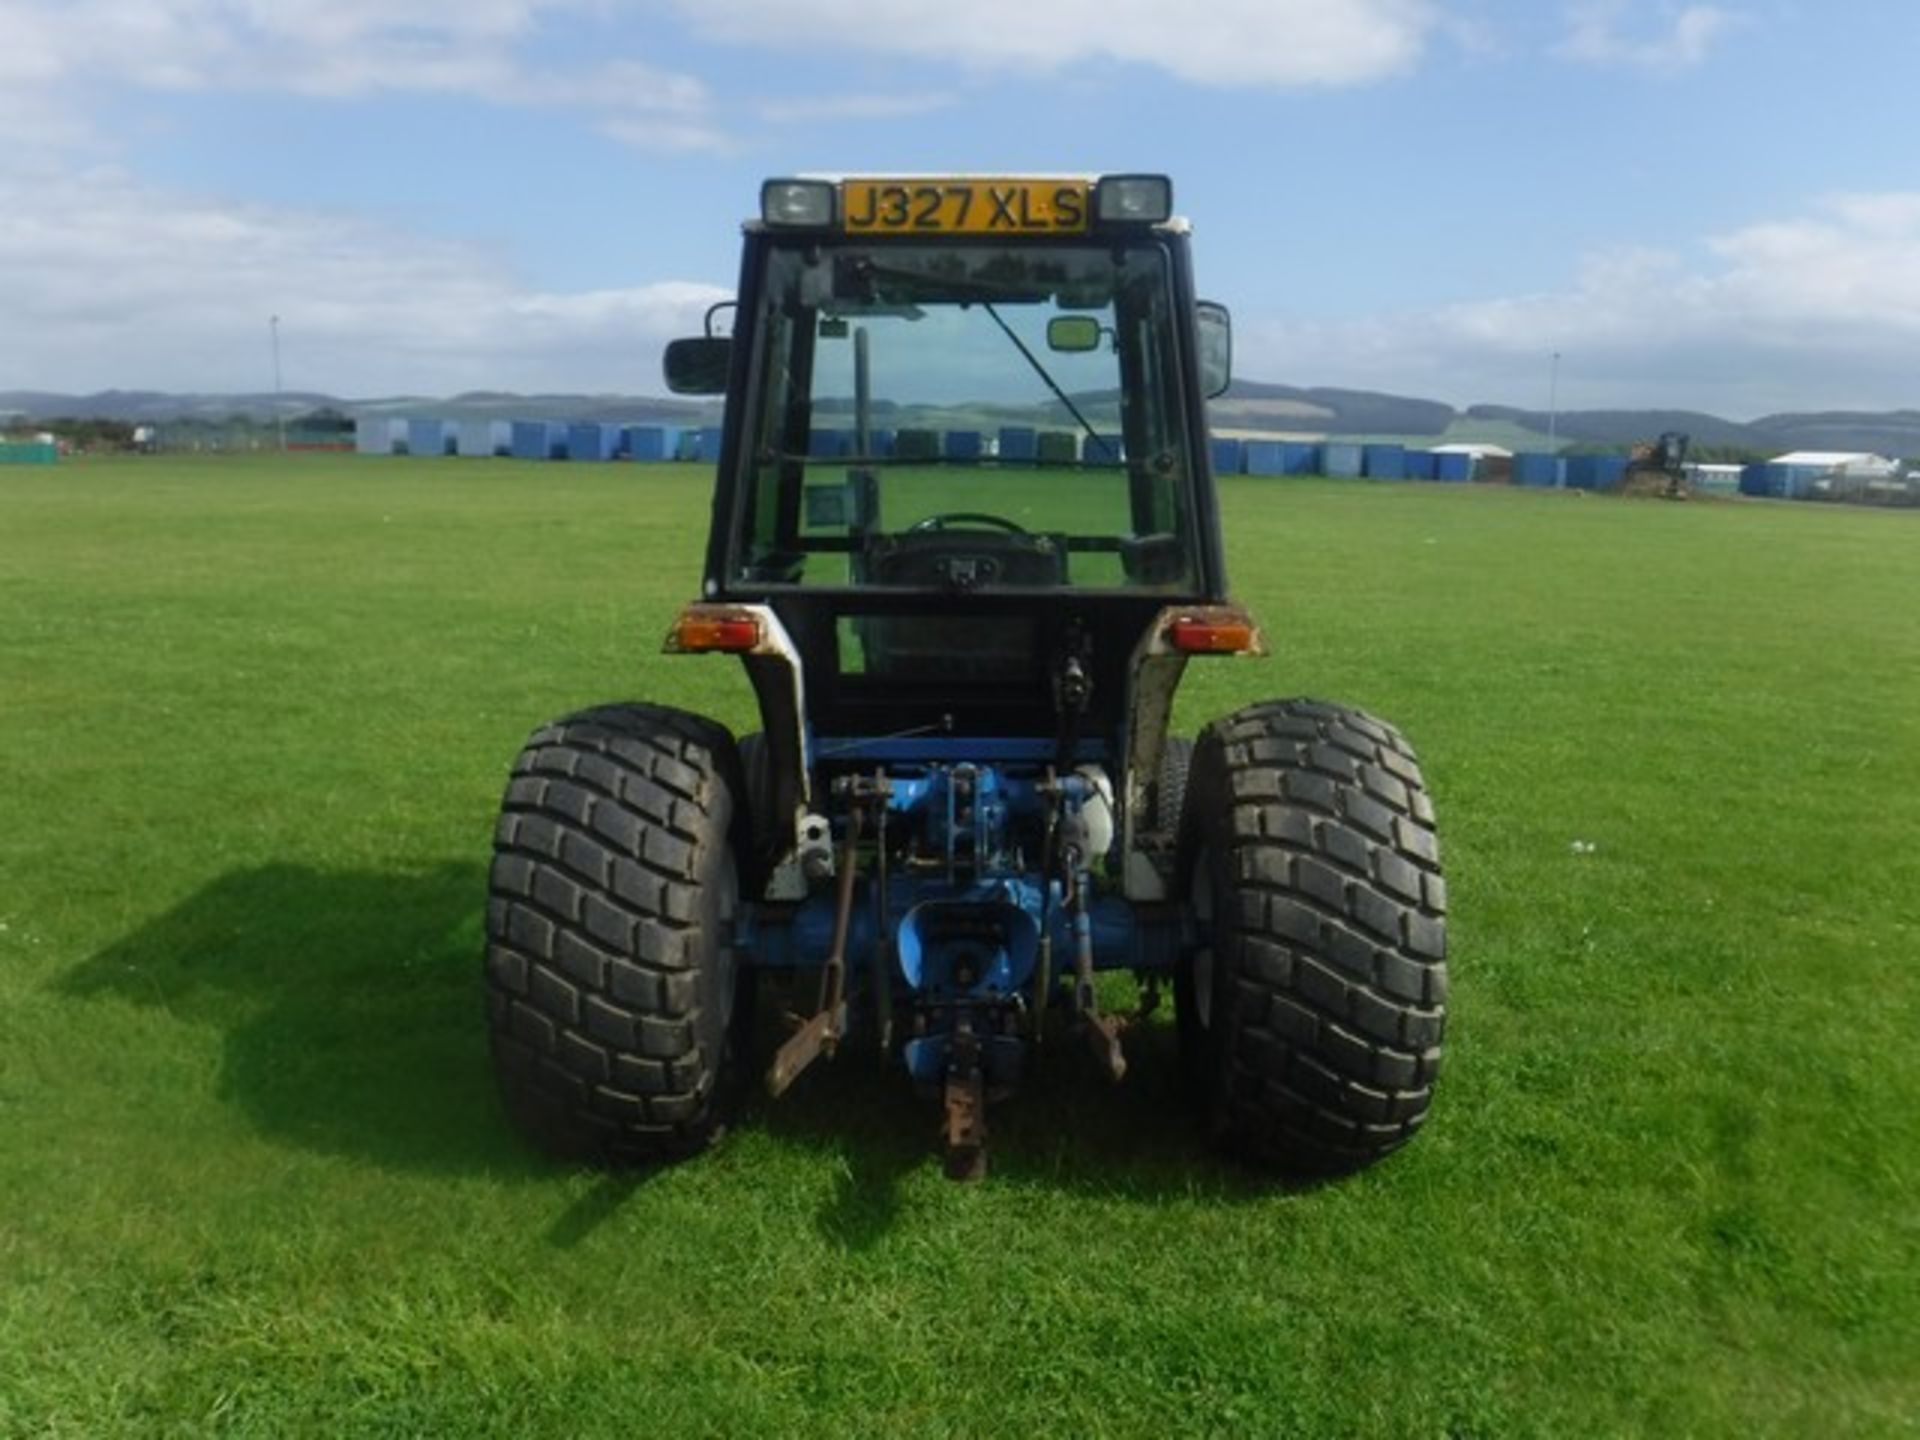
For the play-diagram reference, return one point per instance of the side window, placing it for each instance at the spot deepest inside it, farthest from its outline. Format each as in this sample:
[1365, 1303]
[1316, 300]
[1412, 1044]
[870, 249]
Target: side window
[771, 552]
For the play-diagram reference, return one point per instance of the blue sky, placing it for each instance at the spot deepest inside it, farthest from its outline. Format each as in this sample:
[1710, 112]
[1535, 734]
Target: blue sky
[1698, 205]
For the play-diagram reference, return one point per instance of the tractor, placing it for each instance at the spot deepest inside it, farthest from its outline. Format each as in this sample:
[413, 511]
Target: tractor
[1658, 467]
[965, 542]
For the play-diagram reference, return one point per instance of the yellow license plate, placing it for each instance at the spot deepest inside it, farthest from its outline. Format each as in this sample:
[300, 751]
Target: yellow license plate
[964, 207]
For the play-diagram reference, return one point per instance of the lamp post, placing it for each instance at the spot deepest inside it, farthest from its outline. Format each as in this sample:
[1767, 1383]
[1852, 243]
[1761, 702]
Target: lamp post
[279, 414]
[1553, 405]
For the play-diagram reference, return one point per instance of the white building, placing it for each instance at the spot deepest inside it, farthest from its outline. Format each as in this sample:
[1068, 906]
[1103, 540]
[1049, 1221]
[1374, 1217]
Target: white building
[1852, 463]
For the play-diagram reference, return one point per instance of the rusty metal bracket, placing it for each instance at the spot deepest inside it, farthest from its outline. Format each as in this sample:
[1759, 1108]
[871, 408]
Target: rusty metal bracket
[820, 1034]
[815, 1037]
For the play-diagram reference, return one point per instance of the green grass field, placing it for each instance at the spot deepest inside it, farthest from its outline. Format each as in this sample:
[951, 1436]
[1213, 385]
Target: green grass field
[254, 720]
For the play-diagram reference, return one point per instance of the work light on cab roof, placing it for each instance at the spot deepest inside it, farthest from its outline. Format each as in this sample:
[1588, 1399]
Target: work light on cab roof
[965, 542]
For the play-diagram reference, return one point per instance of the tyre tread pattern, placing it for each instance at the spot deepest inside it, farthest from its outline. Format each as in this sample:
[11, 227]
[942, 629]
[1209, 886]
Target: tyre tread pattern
[597, 895]
[1170, 786]
[1334, 936]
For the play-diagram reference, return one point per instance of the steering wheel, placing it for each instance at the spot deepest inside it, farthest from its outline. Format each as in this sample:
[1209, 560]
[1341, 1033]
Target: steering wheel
[970, 518]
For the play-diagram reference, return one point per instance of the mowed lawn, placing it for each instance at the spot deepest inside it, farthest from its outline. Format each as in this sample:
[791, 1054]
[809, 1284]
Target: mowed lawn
[254, 720]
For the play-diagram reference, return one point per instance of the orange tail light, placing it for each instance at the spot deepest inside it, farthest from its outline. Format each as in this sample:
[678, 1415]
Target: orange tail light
[1213, 630]
[702, 628]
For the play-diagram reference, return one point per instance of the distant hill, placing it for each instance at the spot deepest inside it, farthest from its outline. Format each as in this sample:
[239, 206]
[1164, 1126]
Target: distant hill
[1624, 427]
[138, 407]
[1256, 405]
[1249, 406]
[1891, 432]
[152, 407]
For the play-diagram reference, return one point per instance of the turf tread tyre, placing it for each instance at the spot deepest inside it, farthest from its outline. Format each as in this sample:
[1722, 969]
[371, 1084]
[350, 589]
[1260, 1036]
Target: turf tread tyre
[763, 829]
[1170, 786]
[1311, 827]
[616, 1009]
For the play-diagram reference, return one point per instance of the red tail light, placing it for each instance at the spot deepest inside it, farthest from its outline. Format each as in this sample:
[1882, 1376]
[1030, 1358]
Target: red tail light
[1212, 632]
[700, 628]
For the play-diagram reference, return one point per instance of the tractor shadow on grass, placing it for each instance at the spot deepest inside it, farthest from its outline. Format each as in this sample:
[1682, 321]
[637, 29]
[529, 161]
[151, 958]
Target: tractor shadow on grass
[350, 1006]
[351, 1010]
[1067, 1129]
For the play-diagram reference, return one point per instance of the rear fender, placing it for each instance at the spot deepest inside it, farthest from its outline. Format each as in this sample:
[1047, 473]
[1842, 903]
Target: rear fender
[773, 669]
[1153, 677]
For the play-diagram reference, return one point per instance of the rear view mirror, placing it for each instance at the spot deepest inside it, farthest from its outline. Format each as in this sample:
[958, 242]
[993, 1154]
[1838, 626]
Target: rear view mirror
[1073, 334]
[700, 365]
[1215, 328]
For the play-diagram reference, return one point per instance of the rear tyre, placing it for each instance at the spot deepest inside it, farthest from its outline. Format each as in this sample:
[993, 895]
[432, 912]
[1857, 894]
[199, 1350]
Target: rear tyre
[1312, 1014]
[756, 798]
[1170, 788]
[616, 1005]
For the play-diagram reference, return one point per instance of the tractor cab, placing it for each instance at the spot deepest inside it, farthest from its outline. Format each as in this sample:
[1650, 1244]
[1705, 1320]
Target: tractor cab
[965, 454]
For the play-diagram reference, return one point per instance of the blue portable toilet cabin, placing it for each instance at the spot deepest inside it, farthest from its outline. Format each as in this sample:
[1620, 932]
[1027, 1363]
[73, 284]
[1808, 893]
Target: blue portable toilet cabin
[1019, 443]
[1594, 472]
[1262, 457]
[1420, 465]
[1384, 462]
[829, 444]
[965, 446]
[706, 445]
[590, 440]
[646, 442]
[528, 440]
[1541, 471]
[1103, 450]
[428, 437]
[1342, 459]
[1299, 457]
[1229, 454]
[1767, 479]
[1453, 466]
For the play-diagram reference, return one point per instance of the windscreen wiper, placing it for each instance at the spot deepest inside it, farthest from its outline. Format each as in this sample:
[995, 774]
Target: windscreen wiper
[866, 268]
[1041, 371]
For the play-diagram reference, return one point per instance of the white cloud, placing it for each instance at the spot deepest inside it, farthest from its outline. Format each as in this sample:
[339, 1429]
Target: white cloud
[1594, 36]
[340, 49]
[1817, 310]
[1231, 43]
[55, 54]
[114, 283]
